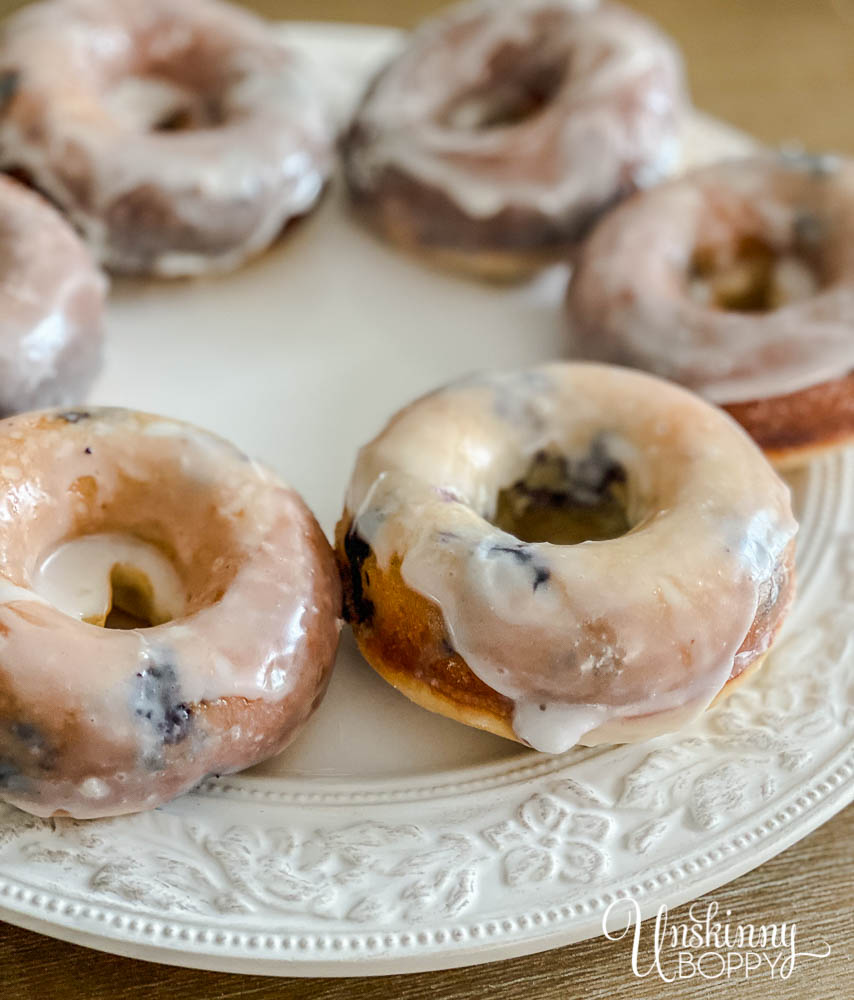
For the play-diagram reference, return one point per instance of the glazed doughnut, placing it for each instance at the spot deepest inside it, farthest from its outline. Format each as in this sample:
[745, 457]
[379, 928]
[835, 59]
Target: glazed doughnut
[737, 281]
[570, 554]
[179, 138]
[228, 607]
[51, 305]
[504, 128]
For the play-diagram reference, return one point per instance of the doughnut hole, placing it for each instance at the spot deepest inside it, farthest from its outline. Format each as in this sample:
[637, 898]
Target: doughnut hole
[178, 518]
[520, 82]
[113, 581]
[157, 104]
[749, 274]
[565, 501]
[182, 86]
[133, 602]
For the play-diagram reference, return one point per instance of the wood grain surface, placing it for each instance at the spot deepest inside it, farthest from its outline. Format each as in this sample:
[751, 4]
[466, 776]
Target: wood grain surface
[784, 70]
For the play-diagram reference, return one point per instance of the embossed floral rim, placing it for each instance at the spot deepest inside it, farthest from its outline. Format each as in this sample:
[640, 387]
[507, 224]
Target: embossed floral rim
[181, 942]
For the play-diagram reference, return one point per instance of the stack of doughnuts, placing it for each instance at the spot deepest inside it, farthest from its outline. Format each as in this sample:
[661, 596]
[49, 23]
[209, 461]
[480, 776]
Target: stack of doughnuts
[573, 553]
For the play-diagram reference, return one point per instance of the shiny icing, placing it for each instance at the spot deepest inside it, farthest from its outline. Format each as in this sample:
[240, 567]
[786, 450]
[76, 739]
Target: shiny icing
[93, 78]
[632, 299]
[611, 123]
[247, 574]
[580, 637]
[51, 306]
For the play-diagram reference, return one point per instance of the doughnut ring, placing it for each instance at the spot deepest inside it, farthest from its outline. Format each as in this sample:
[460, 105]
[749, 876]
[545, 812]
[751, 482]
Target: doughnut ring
[569, 554]
[737, 281]
[502, 130]
[178, 138]
[226, 591]
[51, 305]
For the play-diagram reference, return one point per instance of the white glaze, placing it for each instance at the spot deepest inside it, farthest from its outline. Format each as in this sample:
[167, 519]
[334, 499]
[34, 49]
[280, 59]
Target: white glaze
[80, 127]
[248, 584]
[631, 300]
[648, 624]
[51, 304]
[235, 484]
[574, 155]
[75, 577]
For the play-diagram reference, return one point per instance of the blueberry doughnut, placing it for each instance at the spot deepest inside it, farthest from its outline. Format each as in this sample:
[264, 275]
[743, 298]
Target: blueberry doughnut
[51, 306]
[737, 281]
[218, 589]
[179, 138]
[570, 554]
[503, 129]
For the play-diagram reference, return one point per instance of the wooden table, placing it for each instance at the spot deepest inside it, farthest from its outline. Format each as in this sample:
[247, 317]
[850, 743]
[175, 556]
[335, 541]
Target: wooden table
[784, 70]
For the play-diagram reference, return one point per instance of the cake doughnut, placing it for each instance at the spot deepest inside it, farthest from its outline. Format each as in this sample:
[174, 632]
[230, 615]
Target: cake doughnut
[179, 138]
[736, 280]
[51, 306]
[228, 605]
[506, 126]
[569, 554]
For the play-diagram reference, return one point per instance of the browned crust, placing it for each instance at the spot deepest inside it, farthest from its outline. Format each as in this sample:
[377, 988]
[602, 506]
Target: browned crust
[795, 428]
[496, 267]
[403, 637]
[426, 223]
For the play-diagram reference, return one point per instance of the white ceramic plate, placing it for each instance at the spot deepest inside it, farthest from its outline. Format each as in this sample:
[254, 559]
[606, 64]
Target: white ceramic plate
[388, 839]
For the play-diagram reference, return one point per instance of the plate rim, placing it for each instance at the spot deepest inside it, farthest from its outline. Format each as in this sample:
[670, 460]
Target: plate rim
[28, 905]
[774, 836]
